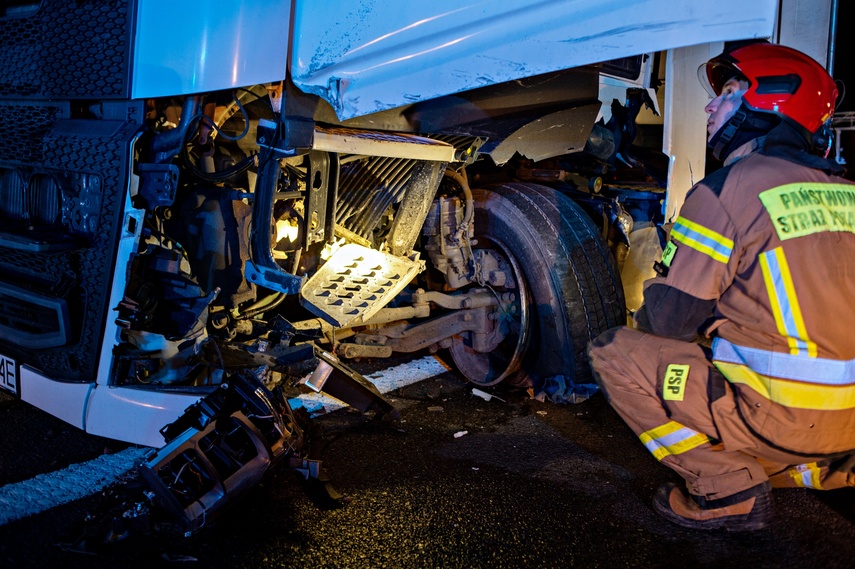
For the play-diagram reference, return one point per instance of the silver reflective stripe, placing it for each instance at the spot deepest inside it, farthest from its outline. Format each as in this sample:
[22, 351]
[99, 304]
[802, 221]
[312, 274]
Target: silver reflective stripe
[784, 301]
[807, 479]
[807, 475]
[671, 440]
[786, 366]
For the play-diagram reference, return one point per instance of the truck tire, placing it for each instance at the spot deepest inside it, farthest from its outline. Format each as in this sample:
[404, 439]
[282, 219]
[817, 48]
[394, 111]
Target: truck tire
[573, 286]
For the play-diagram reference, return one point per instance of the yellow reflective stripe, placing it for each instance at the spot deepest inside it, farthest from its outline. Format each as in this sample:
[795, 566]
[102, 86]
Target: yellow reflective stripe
[794, 302]
[794, 394]
[785, 302]
[700, 247]
[807, 475]
[776, 306]
[702, 239]
[671, 439]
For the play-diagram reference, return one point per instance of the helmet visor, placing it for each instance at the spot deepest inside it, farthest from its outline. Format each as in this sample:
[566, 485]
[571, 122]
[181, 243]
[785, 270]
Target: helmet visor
[715, 73]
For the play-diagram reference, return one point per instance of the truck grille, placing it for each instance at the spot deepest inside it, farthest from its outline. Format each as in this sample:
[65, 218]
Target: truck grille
[67, 50]
[62, 184]
[23, 126]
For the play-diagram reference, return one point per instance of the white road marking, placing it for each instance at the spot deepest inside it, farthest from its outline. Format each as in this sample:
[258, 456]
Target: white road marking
[46, 491]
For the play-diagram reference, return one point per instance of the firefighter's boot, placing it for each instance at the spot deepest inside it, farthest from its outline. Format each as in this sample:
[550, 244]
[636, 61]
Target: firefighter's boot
[736, 513]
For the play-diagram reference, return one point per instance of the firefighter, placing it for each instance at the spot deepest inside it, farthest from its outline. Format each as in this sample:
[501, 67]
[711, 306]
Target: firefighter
[739, 372]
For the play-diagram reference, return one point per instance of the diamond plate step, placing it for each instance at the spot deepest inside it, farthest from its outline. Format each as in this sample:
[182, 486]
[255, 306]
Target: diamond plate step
[355, 283]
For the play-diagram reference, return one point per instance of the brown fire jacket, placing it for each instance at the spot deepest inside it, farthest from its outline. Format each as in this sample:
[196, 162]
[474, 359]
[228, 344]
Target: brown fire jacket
[762, 259]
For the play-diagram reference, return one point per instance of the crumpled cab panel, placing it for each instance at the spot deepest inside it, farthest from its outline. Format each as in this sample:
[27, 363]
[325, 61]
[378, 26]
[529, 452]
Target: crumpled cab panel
[371, 55]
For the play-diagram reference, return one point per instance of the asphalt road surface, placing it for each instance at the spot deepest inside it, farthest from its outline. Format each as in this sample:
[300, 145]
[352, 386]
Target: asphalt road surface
[524, 483]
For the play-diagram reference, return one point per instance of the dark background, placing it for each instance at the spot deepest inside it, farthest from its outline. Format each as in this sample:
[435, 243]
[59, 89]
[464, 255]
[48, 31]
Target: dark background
[843, 68]
[844, 73]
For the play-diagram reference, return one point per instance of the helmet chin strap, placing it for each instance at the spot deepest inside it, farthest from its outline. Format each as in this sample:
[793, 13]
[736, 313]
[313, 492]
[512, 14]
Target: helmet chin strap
[721, 140]
[745, 125]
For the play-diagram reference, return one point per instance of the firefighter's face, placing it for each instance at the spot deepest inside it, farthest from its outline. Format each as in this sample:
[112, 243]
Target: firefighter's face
[724, 106]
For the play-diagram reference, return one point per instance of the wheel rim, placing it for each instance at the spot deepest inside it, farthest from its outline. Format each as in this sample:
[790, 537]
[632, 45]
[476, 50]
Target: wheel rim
[513, 318]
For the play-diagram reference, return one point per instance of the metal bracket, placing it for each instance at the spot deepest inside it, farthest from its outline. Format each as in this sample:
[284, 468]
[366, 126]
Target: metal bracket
[158, 183]
[321, 193]
[273, 278]
[261, 269]
[345, 384]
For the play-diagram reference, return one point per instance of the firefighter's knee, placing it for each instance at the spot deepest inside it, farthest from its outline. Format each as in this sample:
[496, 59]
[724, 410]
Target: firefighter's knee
[604, 339]
[600, 350]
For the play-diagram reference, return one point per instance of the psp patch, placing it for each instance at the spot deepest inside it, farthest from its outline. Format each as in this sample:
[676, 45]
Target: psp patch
[668, 253]
[674, 385]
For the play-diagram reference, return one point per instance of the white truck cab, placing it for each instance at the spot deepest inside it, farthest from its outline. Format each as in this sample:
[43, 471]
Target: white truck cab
[207, 206]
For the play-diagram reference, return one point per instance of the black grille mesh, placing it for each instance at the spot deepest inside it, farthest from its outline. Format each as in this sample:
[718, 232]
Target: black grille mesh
[82, 275]
[69, 49]
[23, 126]
[34, 266]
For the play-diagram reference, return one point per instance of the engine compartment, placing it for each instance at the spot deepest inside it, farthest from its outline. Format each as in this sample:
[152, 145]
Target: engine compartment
[264, 228]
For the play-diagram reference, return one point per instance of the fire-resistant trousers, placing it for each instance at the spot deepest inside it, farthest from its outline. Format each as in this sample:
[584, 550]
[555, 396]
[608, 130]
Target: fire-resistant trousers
[685, 413]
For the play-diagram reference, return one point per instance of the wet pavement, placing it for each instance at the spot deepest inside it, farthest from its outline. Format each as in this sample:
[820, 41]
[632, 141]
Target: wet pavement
[458, 482]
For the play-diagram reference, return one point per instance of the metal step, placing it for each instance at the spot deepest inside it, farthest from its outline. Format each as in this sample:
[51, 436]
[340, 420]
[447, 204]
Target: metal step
[355, 283]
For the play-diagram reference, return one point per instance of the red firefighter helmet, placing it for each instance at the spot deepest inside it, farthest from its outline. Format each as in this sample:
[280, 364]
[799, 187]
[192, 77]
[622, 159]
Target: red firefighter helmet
[783, 81]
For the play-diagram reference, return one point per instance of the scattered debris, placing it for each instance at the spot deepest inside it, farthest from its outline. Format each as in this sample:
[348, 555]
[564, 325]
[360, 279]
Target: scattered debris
[435, 408]
[221, 446]
[541, 412]
[484, 395]
[459, 434]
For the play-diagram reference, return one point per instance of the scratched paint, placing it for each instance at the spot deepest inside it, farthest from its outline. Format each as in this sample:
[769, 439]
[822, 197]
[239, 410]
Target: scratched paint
[372, 55]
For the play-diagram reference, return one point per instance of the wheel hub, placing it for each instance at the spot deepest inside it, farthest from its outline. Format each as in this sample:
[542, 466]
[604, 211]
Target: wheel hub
[487, 359]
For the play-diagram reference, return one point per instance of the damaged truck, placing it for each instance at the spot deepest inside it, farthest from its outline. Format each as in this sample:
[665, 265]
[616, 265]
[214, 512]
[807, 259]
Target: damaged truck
[206, 206]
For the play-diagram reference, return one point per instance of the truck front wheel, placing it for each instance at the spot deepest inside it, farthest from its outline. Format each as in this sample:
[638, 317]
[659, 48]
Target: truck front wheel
[567, 288]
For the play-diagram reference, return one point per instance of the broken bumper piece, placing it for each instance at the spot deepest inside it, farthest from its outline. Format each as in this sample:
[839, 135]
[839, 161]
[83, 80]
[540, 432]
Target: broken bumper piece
[220, 448]
[225, 443]
[335, 378]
